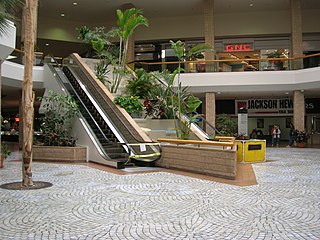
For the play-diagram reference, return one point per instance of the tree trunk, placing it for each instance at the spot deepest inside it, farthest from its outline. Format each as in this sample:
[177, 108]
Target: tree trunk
[30, 22]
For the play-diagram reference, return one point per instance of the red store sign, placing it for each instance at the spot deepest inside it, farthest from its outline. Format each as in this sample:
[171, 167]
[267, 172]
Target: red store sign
[238, 47]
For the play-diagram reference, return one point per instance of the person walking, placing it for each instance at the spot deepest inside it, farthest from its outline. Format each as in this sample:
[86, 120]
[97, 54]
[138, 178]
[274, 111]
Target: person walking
[291, 135]
[276, 136]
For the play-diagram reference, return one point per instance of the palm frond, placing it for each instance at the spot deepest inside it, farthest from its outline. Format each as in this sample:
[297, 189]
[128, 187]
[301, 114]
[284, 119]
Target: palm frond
[7, 10]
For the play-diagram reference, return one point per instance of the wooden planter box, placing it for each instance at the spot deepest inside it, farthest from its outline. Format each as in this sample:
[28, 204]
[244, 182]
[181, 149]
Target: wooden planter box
[55, 153]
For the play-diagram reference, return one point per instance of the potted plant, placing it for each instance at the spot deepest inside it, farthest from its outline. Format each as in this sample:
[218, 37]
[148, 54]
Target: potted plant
[5, 152]
[275, 64]
[301, 138]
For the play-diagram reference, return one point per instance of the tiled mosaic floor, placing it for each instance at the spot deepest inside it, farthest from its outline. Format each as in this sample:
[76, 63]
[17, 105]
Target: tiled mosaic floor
[86, 203]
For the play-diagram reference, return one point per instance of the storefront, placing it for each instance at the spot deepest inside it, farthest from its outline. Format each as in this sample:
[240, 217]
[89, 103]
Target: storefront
[264, 113]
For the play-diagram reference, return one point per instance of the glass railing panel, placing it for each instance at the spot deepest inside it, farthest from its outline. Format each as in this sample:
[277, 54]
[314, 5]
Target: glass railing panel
[17, 57]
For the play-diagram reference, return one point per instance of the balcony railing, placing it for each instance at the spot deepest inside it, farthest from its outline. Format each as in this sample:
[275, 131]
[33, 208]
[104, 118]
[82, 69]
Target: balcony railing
[239, 64]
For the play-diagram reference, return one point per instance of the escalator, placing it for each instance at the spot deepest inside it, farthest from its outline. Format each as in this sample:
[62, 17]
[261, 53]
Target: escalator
[117, 137]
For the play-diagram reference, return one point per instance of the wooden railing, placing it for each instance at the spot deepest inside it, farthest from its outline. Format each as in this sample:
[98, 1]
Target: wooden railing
[224, 142]
[230, 60]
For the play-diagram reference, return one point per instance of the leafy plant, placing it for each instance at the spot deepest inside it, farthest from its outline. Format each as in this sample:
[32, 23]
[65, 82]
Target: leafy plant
[127, 22]
[100, 42]
[182, 98]
[140, 85]
[226, 125]
[59, 112]
[5, 152]
[7, 12]
[131, 104]
[159, 102]
[300, 136]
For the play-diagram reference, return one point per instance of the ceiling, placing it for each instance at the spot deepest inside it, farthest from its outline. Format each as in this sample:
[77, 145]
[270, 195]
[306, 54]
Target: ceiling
[94, 11]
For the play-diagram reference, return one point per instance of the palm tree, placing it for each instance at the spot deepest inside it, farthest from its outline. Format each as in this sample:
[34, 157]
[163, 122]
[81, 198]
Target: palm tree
[127, 22]
[7, 10]
[30, 22]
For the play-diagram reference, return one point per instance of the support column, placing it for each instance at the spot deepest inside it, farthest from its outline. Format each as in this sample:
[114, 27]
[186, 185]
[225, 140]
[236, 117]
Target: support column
[296, 33]
[209, 32]
[298, 110]
[210, 112]
[130, 53]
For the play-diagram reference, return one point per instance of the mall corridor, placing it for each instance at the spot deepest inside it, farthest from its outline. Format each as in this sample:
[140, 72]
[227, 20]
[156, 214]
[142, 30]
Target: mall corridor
[88, 203]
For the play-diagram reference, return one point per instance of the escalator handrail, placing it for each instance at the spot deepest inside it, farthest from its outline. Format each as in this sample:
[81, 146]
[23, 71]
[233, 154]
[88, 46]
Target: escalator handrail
[125, 125]
[83, 105]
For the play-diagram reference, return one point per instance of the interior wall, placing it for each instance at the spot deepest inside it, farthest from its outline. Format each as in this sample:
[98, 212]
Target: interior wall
[235, 24]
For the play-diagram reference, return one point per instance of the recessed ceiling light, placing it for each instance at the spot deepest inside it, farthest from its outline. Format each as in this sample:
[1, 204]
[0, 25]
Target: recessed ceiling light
[62, 14]
[286, 93]
[75, 4]
[47, 44]
[251, 4]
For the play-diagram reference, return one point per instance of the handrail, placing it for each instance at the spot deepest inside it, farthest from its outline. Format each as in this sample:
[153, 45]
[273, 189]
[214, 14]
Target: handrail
[94, 84]
[97, 125]
[137, 141]
[229, 60]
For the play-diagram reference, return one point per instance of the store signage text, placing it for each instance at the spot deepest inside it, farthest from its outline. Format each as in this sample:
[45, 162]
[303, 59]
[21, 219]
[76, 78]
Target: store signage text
[239, 47]
[266, 106]
[270, 104]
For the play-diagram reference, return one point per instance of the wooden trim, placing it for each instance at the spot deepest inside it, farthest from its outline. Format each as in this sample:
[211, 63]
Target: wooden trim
[196, 142]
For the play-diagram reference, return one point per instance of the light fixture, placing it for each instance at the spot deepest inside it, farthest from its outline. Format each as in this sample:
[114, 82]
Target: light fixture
[301, 90]
[62, 14]
[251, 4]
[75, 4]
[218, 92]
[47, 44]
[287, 93]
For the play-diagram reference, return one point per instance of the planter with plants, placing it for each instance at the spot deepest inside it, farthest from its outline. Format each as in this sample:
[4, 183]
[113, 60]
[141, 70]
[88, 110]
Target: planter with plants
[300, 138]
[275, 64]
[57, 142]
[5, 152]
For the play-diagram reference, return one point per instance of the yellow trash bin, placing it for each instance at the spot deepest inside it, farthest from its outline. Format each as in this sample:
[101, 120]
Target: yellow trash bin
[251, 151]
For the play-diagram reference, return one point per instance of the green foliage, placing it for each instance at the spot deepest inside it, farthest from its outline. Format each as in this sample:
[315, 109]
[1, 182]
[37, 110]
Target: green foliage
[131, 104]
[101, 70]
[7, 11]
[104, 50]
[99, 39]
[300, 136]
[60, 110]
[127, 22]
[5, 152]
[98, 33]
[226, 125]
[178, 48]
[197, 51]
[183, 102]
[141, 85]
[159, 102]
